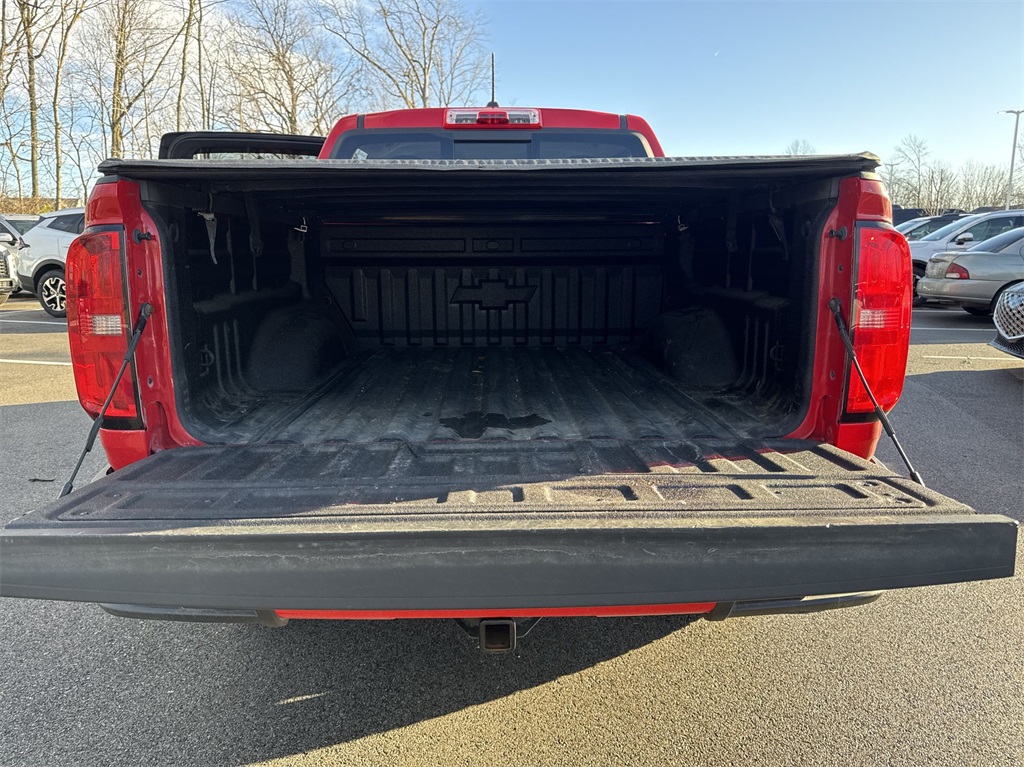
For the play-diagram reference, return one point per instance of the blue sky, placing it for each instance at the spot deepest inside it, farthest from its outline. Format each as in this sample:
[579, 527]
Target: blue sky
[750, 77]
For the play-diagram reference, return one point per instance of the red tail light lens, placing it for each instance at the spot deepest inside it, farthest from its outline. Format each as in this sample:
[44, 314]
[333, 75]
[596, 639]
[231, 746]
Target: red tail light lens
[881, 317]
[492, 118]
[98, 327]
[957, 272]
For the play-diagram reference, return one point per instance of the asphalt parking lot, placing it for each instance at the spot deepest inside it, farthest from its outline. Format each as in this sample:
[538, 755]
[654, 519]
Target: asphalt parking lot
[924, 676]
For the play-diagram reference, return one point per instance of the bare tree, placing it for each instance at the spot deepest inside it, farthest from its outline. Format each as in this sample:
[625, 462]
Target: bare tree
[800, 146]
[414, 53]
[12, 135]
[910, 160]
[981, 185]
[192, 13]
[140, 38]
[915, 180]
[36, 32]
[82, 151]
[286, 76]
[11, 41]
[69, 13]
[11, 47]
[941, 188]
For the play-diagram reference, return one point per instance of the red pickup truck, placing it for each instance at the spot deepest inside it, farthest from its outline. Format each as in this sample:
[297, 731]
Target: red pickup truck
[488, 364]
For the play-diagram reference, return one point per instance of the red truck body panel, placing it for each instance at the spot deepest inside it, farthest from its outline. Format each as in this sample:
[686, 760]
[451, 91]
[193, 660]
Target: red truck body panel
[582, 119]
[119, 204]
[233, 531]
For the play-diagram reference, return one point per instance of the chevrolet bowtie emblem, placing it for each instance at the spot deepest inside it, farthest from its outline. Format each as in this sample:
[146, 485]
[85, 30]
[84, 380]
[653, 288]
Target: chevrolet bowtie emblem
[494, 294]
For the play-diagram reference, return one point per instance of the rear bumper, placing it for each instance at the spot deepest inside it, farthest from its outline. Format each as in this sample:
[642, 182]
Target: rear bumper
[236, 528]
[710, 610]
[315, 565]
[967, 292]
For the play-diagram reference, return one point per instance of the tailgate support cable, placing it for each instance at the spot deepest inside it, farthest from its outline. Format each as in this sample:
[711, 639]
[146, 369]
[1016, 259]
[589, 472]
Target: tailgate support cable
[836, 309]
[144, 314]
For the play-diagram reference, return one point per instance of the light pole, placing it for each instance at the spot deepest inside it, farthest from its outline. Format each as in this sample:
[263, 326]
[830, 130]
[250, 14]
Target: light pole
[1013, 154]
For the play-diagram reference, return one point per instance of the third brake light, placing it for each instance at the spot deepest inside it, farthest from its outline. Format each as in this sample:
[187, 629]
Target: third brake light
[490, 117]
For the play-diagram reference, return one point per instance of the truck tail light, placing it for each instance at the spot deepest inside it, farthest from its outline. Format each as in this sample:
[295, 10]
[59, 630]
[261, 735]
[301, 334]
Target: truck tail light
[881, 317]
[98, 325]
[492, 118]
[957, 272]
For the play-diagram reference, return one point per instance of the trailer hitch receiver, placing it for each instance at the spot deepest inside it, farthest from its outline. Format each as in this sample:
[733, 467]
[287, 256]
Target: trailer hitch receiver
[497, 635]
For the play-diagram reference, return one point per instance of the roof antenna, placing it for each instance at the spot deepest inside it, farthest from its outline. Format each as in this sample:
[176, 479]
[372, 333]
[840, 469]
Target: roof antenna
[492, 103]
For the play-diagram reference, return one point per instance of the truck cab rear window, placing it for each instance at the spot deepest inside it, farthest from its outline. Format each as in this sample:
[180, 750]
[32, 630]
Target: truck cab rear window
[489, 145]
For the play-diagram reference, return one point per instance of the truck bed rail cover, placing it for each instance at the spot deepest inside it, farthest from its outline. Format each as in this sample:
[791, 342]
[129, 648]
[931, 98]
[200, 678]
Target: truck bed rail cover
[272, 170]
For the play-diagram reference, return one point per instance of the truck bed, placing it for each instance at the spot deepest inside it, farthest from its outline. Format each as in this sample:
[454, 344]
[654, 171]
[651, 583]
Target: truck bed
[471, 393]
[502, 389]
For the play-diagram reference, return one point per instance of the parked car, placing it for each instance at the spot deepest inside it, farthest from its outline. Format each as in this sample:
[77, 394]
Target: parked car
[11, 244]
[917, 228]
[42, 270]
[1008, 317]
[7, 282]
[960, 235]
[974, 278]
[906, 226]
[901, 215]
[22, 221]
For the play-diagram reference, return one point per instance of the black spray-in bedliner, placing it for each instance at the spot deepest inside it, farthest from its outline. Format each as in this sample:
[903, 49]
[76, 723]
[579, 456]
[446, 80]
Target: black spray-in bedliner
[417, 395]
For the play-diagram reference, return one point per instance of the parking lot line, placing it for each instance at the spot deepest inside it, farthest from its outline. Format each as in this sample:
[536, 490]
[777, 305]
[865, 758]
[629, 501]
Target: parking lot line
[34, 362]
[32, 322]
[962, 357]
[956, 330]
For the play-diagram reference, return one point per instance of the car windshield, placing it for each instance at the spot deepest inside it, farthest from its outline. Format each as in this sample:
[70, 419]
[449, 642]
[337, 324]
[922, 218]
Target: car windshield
[1000, 241]
[926, 227]
[913, 223]
[23, 224]
[948, 229]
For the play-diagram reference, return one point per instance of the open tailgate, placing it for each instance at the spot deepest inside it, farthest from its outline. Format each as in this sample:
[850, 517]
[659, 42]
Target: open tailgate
[493, 525]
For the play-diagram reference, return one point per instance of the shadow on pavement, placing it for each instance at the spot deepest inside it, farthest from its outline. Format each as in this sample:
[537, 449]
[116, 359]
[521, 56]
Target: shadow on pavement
[315, 684]
[983, 409]
[991, 397]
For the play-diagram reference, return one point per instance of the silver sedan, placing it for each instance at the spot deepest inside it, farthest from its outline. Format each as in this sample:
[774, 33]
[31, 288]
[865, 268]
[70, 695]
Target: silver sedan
[975, 278]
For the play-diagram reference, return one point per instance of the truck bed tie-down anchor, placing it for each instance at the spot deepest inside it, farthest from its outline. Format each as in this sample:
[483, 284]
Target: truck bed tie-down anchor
[497, 635]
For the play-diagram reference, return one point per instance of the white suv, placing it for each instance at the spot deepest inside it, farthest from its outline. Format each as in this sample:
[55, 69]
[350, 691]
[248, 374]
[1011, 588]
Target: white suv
[42, 271]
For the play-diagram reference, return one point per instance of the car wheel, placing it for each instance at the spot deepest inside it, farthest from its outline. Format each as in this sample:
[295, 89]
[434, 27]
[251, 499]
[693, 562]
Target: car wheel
[975, 311]
[999, 293]
[52, 292]
[918, 274]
